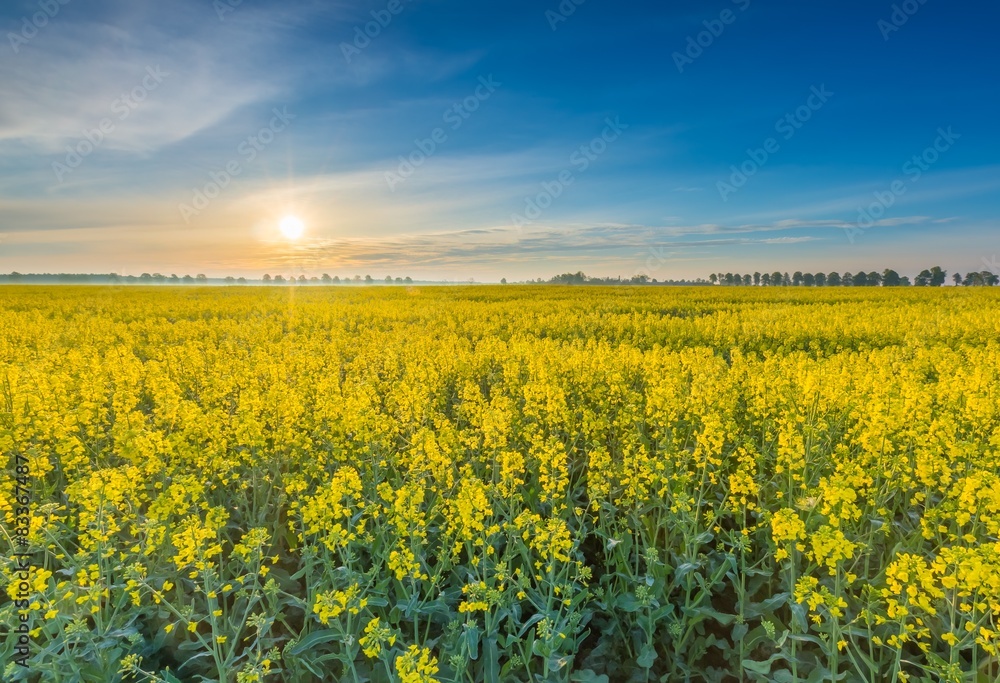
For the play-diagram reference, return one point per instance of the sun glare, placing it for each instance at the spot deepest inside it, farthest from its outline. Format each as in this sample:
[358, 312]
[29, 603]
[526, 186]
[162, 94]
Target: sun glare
[292, 228]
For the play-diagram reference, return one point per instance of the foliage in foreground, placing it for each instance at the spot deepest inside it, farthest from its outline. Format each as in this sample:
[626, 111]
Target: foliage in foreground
[506, 484]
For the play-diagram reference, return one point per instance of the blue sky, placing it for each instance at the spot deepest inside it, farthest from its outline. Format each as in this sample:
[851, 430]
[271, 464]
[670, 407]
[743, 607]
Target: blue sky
[486, 139]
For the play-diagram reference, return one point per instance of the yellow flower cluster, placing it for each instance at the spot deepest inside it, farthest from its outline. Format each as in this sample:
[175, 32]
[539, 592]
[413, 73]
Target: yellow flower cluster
[416, 665]
[329, 606]
[376, 638]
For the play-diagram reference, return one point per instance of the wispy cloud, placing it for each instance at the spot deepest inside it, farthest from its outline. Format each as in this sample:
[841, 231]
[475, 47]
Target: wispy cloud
[494, 245]
[77, 74]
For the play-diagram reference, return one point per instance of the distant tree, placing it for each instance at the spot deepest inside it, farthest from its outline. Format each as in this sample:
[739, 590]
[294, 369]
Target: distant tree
[279, 278]
[314, 280]
[242, 281]
[201, 278]
[820, 279]
[503, 280]
[890, 278]
[874, 279]
[145, 278]
[188, 280]
[368, 279]
[159, 278]
[577, 278]
[756, 279]
[713, 278]
[905, 282]
[266, 278]
[982, 279]
[302, 279]
[388, 279]
[336, 279]
[847, 280]
[938, 276]
[786, 280]
[728, 279]
[957, 277]
[174, 280]
[797, 279]
[833, 279]
[230, 280]
[399, 280]
[923, 279]
[408, 280]
[808, 279]
[326, 279]
[990, 278]
[776, 279]
[765, 280]
[747, 280]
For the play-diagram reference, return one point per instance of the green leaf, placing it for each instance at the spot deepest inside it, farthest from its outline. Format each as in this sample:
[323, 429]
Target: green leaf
[535, 618]
[472, 641]
[629, 603]
[491, 659]
[763, 668]
[313, 639]
[588, 676]
[686, 568]
[540, 649]
[772, 604]
[709, 613]
[647, 657]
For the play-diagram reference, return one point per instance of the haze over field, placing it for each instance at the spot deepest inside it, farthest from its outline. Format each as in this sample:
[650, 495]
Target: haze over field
[446, 140]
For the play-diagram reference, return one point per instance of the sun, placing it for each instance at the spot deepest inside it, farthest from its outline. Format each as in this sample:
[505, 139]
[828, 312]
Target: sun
[292, 228]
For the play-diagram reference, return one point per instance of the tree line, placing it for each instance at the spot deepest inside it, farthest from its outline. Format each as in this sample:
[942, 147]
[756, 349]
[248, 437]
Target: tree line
[932, 277]
[200, 279]
[580, 278]
[326, 279]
